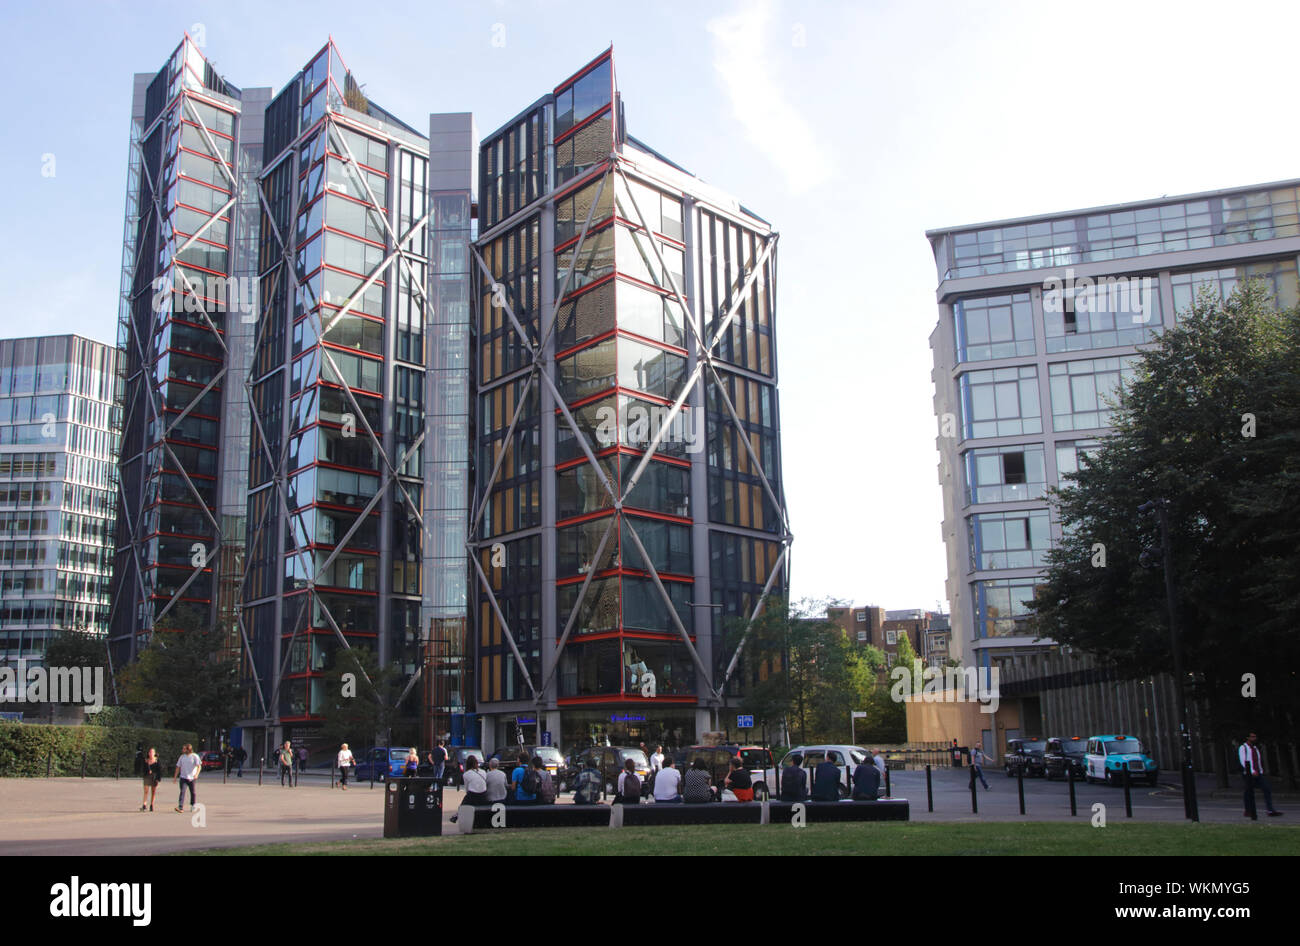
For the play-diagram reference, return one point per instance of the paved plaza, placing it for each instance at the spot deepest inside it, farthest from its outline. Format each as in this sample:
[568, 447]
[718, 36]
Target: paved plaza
[66, 816]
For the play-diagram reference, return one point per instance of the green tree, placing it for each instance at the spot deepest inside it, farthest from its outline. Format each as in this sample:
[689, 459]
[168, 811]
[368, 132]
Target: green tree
[360, 705]
[186, 678]
[1210, 423]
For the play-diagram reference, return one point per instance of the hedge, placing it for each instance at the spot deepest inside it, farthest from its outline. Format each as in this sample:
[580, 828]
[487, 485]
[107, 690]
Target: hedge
[25, 747]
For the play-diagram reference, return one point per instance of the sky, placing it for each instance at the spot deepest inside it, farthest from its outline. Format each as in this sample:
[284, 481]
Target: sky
[852, 127]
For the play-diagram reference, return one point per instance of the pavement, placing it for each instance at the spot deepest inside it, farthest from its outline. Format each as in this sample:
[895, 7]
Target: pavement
[72, 816]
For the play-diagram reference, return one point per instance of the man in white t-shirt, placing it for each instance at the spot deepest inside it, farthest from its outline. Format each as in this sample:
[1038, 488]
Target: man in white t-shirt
[496, 782]
[668, 784]
[657, 760]
[188, 767]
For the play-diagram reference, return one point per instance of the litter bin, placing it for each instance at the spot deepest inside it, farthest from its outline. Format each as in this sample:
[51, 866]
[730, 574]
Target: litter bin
[412, 808]
[955, 752]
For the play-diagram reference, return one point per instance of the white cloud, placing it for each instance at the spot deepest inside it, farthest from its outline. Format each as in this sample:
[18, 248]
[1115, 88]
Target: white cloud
[771, 123]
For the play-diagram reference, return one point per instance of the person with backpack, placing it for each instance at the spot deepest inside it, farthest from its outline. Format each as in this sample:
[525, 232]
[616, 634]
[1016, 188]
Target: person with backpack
[525, 782]
[629, 786]
[545, 790]
[587, 784]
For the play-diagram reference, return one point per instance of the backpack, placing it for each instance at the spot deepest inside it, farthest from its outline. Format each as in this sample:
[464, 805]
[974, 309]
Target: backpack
[631, 788]
[532, 781]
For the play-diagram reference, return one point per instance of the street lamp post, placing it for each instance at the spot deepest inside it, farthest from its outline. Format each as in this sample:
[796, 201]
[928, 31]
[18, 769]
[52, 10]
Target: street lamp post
[1160, 508]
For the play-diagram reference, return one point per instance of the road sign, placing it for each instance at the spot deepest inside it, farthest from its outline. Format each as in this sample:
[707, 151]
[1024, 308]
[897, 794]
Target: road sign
[546, 738]
[744, 722]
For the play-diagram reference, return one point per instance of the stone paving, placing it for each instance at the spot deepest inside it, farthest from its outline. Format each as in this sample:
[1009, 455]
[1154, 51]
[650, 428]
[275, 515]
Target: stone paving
[67, 816]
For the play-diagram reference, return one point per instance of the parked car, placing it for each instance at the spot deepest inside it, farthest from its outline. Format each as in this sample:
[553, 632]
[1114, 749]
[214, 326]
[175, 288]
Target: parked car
[456, 759]
[1107, 757]
[609, 760]
[211, 760]
[813, 756]
[756, 759]
[1024, 755]
[383, 761]
[1062, 756]
[552, 759]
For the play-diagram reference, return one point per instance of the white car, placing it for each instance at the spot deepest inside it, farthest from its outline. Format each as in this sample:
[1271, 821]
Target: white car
[815, 755]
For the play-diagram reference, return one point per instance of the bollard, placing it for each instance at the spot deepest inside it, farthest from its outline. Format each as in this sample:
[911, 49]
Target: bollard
[1020, 787]
[974, 798]
[331, 775]
[83, 765]
[1074, 808]
[261, 764]
[887, 789]
[929, 789]
[1128, 794]
[117, 769]
[1194, 809]
[1250, 798]
[49, 763]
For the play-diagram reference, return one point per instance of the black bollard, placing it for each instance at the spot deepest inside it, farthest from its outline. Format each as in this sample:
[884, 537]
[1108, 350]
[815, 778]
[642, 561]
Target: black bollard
[974, 798]
[331, 775]
[1194, 809]
[83, 765]
[1128, 794]
[1074, 808]
[887, 789]
[261, 764]
[49, 763]
[929, 789]
[1020, 787]
[117, 769]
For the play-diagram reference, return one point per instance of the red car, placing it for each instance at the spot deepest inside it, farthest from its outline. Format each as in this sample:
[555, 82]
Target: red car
[211, 760]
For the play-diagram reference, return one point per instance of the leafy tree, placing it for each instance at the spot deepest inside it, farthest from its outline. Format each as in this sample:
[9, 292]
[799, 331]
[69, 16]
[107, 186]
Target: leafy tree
[76, 649]
[357, 711]
[187, 677]
[1211, 423]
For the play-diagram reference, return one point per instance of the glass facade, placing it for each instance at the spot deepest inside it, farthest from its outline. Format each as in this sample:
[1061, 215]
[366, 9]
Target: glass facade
[600, 500]
[60, 423]
[187, 309]
[1063, 339]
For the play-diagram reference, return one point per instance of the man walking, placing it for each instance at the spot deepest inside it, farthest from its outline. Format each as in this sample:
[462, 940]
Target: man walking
[187, 773]
[977, 763]
[240, 755]
[286, 763]
[657, 760]
[1252, 773]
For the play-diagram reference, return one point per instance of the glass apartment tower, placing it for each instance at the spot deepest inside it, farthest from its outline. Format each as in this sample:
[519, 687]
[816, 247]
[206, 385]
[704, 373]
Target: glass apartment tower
[295, 340]
[184, 329]
[628, 499]
[1040, 319]
[343, 401]
[59, 429]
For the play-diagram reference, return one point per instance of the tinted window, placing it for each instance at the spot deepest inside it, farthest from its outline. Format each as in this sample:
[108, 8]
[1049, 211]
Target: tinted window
[756, 758]
[1123, 745]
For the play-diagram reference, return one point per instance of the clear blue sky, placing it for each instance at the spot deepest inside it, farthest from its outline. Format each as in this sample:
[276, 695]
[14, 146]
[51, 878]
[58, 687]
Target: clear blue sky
[852, 127]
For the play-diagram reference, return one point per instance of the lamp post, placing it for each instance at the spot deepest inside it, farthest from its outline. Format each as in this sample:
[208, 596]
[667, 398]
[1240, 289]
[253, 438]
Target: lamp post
[1160, 508]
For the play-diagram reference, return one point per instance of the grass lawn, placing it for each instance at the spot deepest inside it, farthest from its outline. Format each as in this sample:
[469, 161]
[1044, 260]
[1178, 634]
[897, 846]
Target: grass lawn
[1042, 838]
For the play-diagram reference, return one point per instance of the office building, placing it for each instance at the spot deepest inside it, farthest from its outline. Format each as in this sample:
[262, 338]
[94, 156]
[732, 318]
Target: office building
[59, 429]
[628, 504]
[1040, 320]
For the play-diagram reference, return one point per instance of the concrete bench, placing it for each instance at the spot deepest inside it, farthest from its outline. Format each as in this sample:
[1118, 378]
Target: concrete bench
[470, 819]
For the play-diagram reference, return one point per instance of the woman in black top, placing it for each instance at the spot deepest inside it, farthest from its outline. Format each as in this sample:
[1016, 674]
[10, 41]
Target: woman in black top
[152, 775]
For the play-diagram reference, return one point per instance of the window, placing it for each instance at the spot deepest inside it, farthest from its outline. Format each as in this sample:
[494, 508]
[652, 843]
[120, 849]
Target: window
[1279, 277]
[994, 327]
[1080, 390]
[1001, 607]
[1010, 539]
[1000, 402]
[891, 637]
[862, 617]
[862, 637]
[1103, 313]
[1005, 474]
[1070, 453]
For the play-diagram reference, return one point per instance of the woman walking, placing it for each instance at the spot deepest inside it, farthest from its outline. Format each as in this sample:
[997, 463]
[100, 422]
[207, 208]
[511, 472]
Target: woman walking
[152, 775]
[345, 762]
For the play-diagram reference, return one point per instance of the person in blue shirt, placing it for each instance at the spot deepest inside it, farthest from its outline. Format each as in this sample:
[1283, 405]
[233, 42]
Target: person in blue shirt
[794, 780]
[866, 780]
[521, 772]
